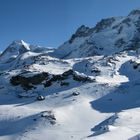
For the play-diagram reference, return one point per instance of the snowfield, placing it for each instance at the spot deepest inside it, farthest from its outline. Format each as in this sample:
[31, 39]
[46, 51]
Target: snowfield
[67, 94]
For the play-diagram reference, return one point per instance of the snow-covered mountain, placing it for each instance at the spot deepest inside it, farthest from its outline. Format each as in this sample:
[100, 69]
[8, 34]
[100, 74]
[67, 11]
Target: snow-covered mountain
[87, 89]
[14, 49]
[19, 47]
[109, 36]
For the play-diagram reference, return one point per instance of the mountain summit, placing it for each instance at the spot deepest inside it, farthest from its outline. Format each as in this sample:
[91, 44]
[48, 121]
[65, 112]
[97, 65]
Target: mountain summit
[19, 47]
[109, 36]
[15, 49]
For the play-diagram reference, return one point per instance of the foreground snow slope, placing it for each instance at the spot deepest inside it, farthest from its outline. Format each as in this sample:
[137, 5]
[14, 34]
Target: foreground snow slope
[114, 91]
[82, 98]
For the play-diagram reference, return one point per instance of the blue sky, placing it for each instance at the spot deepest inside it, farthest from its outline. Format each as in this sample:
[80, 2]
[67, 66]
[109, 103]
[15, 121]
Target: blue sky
[51, 22]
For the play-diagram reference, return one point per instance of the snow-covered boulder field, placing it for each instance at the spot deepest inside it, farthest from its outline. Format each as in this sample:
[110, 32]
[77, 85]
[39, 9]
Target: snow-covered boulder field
[86, 89]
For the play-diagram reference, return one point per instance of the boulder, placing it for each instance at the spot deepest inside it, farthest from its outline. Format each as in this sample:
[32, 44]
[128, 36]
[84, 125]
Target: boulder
[40, 98]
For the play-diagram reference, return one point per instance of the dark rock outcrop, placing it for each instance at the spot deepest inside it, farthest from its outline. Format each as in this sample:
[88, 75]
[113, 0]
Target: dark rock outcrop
[28, 82]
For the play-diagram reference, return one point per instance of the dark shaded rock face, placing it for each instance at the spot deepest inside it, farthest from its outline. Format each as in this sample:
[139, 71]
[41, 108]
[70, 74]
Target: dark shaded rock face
[81, 78]
[82, 31]
[28, 82]
[66, 75]
[60, 77]
[103, 24]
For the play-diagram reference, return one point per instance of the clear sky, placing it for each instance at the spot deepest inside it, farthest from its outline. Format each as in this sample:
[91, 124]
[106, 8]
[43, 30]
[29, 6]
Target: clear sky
[51, 22]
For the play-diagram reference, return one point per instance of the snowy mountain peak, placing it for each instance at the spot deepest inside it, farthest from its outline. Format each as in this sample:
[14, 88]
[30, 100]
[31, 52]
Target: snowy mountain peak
[83, 28]
[19, 44]
[135, 12]
[109, 36]
[16, 48]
